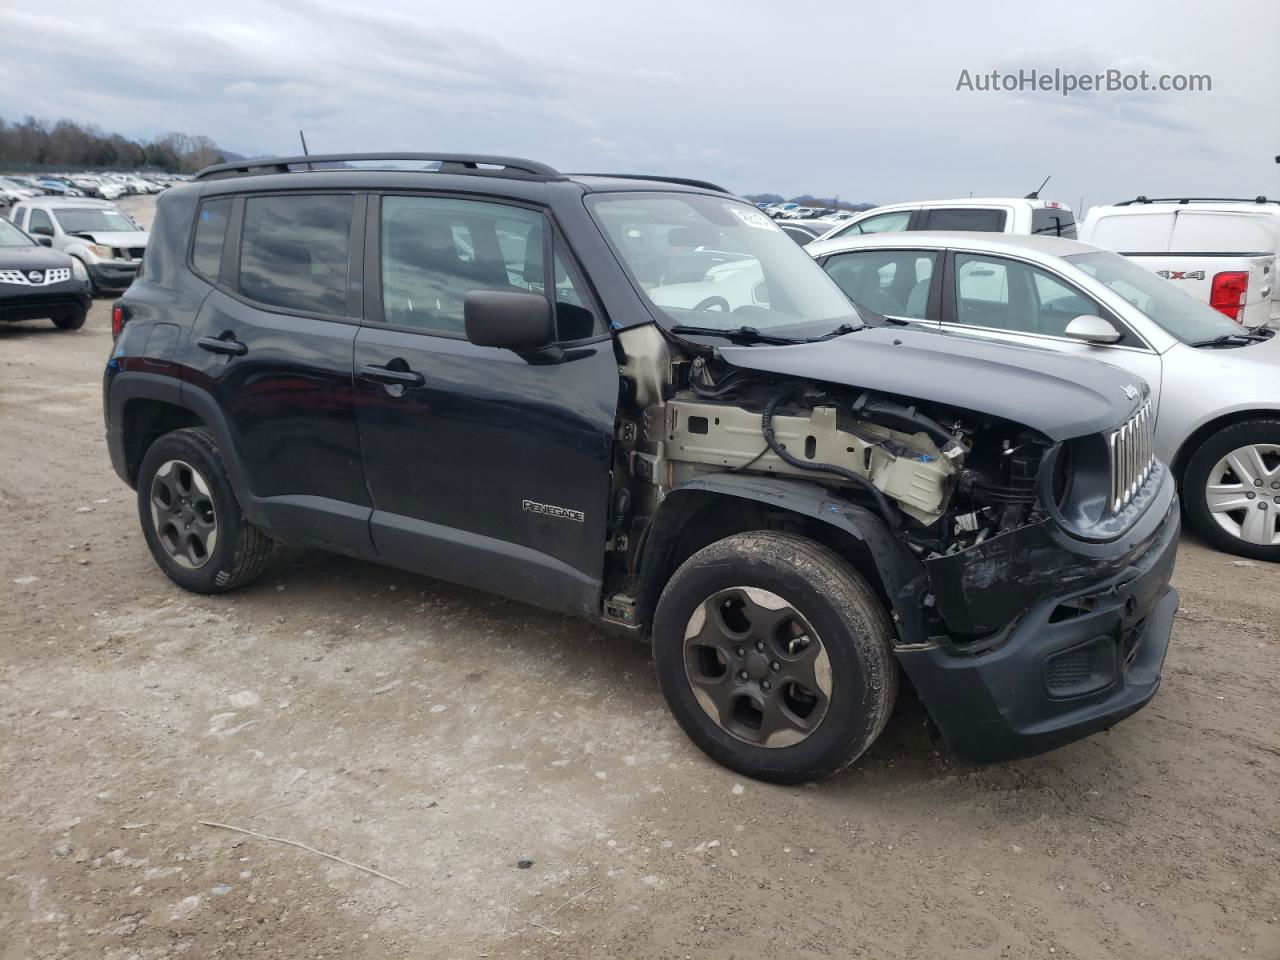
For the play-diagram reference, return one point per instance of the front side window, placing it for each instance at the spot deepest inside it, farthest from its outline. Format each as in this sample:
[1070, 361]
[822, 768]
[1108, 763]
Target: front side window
[295, 251]
[894, 283]
[40, 223]
[715, 262]
[93, 220]
[1185, 317]
[965, 218]
[880, 223]
[1009, 295]
[211, 230]
[436, 250]
[11, 236]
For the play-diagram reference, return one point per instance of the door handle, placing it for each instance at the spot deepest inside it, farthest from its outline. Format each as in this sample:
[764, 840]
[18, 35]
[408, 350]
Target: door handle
[389, 375]
[227, 347]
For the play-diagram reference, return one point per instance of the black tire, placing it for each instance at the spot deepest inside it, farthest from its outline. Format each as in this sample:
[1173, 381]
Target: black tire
[71, 321]
[1195, 480]
[240, 552]
[842, 610]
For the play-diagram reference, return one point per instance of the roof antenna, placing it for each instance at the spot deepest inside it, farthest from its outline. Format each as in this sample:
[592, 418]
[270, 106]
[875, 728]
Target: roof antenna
[1035, 194]
[305, 152]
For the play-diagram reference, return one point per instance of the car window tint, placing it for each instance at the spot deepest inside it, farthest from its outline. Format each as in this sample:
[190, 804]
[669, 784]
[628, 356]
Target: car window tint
[890, 282]
[881, 223]
[965, 218]
[1053, 222]
[211, 229]
[40, 223]
[17, 216]
[295, 251]
[575, 317]
[1008, 295]
[437, 250]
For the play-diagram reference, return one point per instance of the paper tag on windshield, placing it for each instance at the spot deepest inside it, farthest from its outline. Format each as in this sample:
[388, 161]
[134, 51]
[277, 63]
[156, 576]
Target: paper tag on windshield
[752, 218]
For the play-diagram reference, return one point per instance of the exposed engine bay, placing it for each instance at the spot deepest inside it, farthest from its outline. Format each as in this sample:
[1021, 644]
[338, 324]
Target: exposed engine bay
[943, 479]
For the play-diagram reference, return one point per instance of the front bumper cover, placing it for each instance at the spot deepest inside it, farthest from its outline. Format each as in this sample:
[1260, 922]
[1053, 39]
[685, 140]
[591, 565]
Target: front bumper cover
[1077, 661]
[38, 303]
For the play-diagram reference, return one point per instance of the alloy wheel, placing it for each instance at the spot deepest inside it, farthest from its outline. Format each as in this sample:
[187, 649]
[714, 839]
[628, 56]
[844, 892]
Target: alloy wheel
[756, 667]
[182, 511]
[1243, 493]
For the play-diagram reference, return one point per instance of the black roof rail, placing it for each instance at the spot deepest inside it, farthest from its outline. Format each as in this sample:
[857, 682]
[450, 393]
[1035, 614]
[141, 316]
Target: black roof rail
[654, 178]
[1129, 203]
[449, 163]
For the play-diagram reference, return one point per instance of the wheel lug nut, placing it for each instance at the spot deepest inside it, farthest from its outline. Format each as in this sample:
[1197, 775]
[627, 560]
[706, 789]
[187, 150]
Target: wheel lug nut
[775, 666]
[1275, 484]
[1250, 495]
[760, 645]
[742, 675]
[765, 684]
[740, 652]
[1257, 483]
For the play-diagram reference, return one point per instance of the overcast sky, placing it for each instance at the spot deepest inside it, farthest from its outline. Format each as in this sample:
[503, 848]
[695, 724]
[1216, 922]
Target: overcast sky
[788, 96]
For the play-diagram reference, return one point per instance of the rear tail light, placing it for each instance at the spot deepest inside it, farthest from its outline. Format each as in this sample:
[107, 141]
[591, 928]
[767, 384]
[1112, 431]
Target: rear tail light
[1228, 293]
[118, 319]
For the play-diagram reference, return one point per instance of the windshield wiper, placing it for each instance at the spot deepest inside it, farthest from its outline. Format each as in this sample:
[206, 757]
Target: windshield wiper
[1247, 336]
[743, 333]
[840, 331]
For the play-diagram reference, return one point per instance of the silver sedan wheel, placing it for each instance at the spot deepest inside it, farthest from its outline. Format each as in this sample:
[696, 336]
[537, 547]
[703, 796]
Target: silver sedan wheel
[1243, 493]
[756, 667]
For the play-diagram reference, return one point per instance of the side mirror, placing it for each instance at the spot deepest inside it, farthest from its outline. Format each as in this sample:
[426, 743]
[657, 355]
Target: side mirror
[507, 319]
[1091, 329]
[44, 241]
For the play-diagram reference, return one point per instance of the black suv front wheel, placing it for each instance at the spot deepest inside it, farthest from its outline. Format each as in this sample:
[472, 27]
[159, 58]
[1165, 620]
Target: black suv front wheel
[774, 655]
[191, 518]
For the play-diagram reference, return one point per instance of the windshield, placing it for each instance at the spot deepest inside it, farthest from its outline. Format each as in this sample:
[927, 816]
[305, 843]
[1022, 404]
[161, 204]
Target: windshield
[719, 263]
[1179, 313]
[11, 236]
[93, 220]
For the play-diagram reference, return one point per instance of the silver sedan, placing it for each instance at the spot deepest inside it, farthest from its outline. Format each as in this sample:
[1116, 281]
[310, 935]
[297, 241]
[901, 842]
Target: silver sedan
[1216, 384]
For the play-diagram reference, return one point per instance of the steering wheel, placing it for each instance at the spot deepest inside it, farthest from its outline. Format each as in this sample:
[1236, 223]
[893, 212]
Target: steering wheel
[713, 303]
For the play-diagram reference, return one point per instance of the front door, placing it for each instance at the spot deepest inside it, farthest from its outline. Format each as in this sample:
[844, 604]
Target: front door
[484, 467]
[1000, 298]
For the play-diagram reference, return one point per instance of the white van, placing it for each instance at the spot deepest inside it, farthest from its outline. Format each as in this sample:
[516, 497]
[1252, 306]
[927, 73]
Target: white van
[1223, 252]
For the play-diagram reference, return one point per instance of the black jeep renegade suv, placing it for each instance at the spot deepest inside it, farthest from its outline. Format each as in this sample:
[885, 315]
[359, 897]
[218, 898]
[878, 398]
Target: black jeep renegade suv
[638, 401]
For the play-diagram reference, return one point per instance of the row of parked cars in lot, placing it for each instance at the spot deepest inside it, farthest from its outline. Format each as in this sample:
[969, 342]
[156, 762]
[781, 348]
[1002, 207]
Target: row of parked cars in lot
[802, 474]
[104, 186]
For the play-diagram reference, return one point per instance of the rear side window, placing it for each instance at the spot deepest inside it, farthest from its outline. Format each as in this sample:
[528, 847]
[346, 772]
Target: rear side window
[211, 230]
[965, 218]
[295, 251]
[1052, 222]
[19, 215]
[893, 283]
[880, 223]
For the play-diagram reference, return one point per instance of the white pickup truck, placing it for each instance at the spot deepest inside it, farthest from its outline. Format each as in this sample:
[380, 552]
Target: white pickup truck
[1223, 252]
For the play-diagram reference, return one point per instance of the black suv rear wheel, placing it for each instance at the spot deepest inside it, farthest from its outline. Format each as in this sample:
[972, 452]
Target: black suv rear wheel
[190, 516]
[774, 655]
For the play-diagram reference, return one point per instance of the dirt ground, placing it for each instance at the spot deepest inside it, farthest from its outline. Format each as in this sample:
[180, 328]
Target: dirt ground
[442, 737]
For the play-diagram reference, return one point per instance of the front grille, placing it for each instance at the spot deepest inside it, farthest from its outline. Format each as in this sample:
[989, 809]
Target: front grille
[137, 252]
[1131, 456]
[42, 301]
[35, 278]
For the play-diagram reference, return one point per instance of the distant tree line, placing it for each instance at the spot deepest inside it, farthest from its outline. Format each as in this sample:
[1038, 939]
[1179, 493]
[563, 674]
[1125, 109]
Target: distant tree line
[808, 200]
[70, 145]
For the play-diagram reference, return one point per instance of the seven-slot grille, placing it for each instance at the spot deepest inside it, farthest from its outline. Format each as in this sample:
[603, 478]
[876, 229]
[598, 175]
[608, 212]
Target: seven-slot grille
[35, 278]
[1131, 455]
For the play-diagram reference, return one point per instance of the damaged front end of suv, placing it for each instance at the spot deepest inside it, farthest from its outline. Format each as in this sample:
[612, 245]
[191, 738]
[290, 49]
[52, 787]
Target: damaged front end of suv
[1004, 502]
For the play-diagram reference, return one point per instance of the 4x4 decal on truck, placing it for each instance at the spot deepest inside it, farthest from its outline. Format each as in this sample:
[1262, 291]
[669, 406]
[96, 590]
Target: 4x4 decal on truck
[1181, 274]
[547, 509]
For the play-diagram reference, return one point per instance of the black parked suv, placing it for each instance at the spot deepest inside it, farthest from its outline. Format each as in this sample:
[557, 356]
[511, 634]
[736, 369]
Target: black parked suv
[37, 283]
[638, 401]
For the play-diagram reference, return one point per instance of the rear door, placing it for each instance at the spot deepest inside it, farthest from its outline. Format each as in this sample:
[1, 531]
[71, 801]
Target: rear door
[1014, 301]
[894, 283]
[270, 354]
[485, 467]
